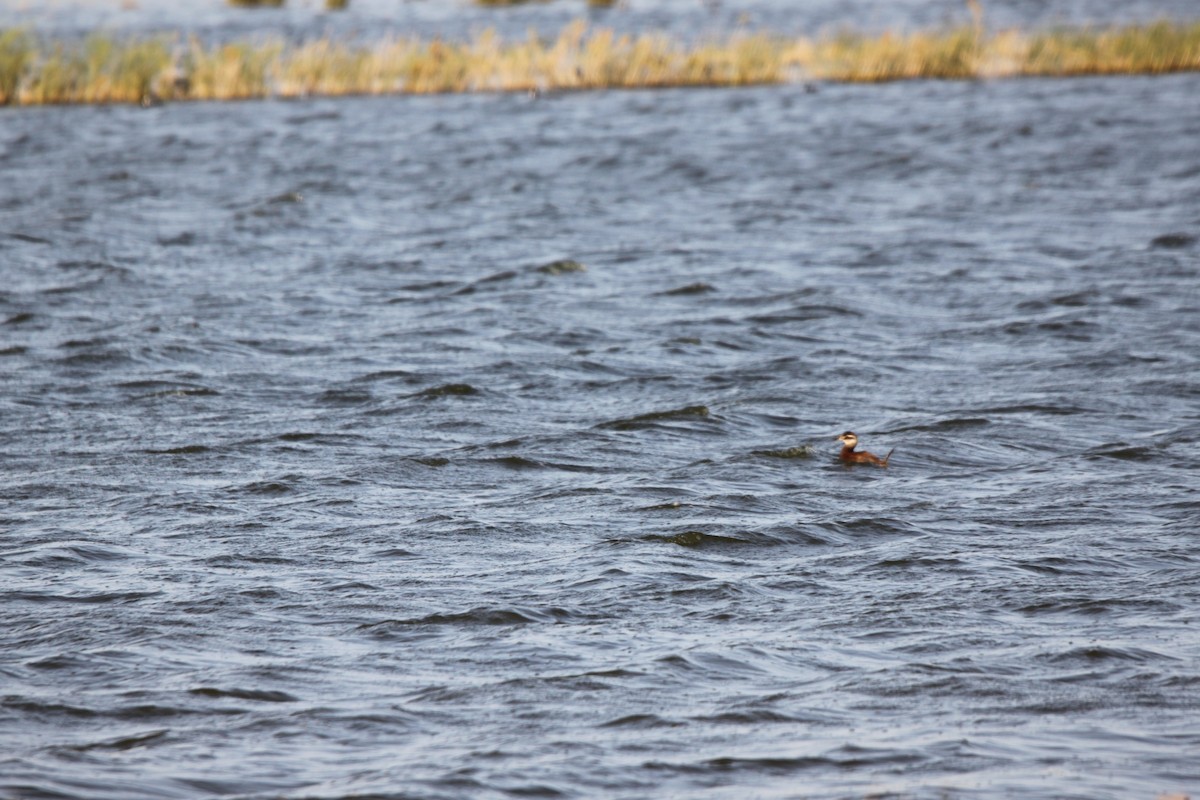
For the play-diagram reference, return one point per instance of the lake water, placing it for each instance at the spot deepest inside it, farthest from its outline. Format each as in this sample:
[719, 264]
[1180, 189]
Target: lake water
[328, 473]
[370, 19]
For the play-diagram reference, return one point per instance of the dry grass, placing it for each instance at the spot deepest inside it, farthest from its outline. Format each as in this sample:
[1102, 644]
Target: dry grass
[233, 71]
[1154, 49]
[16, 52]
[101, 70]
[96, 71]
[849, 57]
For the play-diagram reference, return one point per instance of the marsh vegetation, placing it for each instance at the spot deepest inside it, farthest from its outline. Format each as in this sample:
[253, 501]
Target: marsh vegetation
[101, 69]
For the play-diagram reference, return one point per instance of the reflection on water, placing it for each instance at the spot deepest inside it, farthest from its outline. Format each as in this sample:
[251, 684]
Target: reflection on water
[326, 476]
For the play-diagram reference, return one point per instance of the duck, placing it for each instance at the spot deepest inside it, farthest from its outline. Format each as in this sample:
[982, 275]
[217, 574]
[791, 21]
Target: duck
[849, 455]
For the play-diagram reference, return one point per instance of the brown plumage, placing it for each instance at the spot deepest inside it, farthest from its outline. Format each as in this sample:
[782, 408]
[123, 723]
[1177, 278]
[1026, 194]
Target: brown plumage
[849, 455]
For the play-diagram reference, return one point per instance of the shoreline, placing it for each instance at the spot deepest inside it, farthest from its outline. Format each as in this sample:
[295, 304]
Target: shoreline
[165, 68]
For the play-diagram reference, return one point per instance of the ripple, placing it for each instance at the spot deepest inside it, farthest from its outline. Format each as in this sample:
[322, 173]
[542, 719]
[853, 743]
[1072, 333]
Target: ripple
[562, 267]
[476, 616]
[122, 743]
[1099, 653]
[1173, 241]
[699, 287]
[267, 488]
[1123, 452]
[942, 425]
[523, 463]
[1096, 606]
[100, 598]
[182, 450]
[697, 539]
[641, 722]
[654, 418]
[257, 695]
[449, 390]
[322, 472]
[798, 451]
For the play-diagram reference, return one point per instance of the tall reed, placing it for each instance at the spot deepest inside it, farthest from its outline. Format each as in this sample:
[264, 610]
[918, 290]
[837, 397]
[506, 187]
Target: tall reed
[1153, 49]
[234, 71]
[100, 69]
[16, 51]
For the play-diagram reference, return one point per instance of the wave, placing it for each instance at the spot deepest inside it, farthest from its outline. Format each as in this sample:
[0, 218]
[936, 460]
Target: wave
[655, 418]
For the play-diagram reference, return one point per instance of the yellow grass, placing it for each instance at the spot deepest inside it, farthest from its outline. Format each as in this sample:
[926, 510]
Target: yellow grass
[102, 70]
[97, 71]
[16, 51]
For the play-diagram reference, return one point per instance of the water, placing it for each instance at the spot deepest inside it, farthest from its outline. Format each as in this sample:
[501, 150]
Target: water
[686, 19]
[319, 483]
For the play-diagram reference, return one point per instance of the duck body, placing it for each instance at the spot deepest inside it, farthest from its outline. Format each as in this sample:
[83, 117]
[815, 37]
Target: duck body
[849, 455]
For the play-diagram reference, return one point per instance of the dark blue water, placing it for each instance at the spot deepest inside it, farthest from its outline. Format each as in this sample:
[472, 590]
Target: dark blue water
[322, 479]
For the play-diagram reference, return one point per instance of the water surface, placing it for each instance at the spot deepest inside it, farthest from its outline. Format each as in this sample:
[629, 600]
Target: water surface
[321, 482]
[690, 19]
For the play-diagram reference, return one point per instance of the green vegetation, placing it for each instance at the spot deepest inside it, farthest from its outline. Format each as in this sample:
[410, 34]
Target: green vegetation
[102, 70]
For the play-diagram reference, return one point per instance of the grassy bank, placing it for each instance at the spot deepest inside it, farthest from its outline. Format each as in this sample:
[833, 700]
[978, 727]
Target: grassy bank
[103, 70]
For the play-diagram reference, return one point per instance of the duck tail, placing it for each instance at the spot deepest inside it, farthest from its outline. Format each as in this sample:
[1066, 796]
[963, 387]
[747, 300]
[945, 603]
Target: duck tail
[889, 455]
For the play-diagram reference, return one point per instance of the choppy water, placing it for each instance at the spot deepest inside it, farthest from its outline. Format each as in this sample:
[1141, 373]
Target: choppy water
[319, 483]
